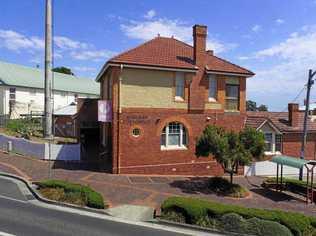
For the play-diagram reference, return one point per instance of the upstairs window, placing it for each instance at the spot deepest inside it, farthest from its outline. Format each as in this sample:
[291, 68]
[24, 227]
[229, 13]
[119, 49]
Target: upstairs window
[212, 88]
[179, 86]
[173, 136]
[232, 97]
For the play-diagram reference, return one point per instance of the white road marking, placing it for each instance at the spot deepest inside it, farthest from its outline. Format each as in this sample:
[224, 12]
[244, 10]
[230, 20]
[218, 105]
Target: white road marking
[12, 199]
[6, 234]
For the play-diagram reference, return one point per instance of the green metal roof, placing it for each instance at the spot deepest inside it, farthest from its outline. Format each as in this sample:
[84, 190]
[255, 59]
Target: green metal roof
[22, 76]
[289, 161]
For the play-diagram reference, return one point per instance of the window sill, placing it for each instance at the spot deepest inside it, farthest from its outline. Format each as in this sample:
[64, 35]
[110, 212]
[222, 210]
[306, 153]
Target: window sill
[272, 153]
[178, 99]
[212, 100]
[175, 148]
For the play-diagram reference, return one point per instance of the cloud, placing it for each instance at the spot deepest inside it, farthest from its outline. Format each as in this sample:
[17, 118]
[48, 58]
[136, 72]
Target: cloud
[287, 68]
[150, 14]
[64, 46]
[84, 69]
[256, 28]
[65, 43]
[15, 41]
[95, 55]
[279, 21]
[149, 29]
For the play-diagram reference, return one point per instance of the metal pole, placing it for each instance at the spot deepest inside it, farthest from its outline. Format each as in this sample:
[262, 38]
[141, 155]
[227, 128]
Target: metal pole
[310, 82]
[48, 71]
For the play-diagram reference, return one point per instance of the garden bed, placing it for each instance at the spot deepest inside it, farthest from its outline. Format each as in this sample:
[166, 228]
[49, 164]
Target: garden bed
[223, 187]
[292, 185]
[62, 191]
[237, 219]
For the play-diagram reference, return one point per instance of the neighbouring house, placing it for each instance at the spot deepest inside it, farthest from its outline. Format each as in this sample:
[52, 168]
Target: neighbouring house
[283, 135]
[163, 94]
[22, 90]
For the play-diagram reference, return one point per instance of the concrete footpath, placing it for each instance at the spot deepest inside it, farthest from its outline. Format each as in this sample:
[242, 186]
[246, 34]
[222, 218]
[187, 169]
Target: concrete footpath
[147, 191]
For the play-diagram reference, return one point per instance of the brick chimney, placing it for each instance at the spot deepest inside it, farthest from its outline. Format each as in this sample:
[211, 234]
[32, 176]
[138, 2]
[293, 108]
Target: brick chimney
[293, 114]
[199, 43]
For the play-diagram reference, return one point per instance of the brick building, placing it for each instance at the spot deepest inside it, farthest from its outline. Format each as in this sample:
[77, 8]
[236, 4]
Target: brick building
[283, 131]
[164, 92]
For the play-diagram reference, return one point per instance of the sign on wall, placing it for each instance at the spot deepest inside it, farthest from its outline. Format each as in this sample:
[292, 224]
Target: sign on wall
[105, 111]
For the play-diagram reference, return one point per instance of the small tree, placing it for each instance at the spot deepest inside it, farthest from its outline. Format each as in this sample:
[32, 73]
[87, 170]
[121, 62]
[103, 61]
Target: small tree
[63, 70]
[231, 149]
[262, 107]
[251, 105]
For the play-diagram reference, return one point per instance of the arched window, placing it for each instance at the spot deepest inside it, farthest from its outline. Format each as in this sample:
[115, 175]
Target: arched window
[173, 136]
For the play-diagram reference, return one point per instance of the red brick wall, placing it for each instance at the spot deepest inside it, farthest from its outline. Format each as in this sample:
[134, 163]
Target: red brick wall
[142, 155]
[292, 145]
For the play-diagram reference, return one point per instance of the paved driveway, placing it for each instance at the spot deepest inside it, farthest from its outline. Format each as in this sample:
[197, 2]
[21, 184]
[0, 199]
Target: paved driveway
[147, 190]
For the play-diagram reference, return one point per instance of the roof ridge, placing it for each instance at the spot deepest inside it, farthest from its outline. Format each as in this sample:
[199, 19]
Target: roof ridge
[41, 70]
[224, 60]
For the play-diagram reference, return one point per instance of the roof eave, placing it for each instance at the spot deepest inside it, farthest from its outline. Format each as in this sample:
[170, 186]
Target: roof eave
[143, 66]
[247, 75]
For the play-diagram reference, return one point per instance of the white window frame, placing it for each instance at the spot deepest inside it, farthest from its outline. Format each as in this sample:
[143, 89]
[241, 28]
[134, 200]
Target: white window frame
[212, 88]
[12, 93]
[179, 79]
[174, 147]
[273, 144]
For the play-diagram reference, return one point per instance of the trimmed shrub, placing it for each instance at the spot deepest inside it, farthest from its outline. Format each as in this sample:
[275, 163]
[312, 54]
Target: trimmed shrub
[266, 228]
[222, 186]
[92, 198]
[174, 216]
[195, 209]
[233, 222]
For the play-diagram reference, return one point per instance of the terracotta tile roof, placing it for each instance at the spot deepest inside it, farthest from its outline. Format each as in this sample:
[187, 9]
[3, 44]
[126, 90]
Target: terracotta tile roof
[280, 120]
[172, 53]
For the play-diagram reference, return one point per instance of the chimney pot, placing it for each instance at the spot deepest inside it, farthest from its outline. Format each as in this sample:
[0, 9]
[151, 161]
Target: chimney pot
[199, 43]
[293, 109]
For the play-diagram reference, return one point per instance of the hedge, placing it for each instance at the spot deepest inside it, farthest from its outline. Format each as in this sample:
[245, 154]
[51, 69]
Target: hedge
[195, 209]
[93, 198]
[288, 181]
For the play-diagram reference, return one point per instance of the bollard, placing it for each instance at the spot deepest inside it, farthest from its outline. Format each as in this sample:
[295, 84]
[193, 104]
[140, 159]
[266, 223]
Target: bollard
[9, 147]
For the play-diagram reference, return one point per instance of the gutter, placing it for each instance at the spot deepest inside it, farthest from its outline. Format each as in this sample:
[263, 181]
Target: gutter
[107, 65]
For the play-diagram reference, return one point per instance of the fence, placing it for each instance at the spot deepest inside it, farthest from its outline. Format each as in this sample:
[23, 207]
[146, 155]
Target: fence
[44, 151]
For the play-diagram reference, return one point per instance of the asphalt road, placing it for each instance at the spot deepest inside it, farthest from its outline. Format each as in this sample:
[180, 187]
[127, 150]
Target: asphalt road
[20, 217]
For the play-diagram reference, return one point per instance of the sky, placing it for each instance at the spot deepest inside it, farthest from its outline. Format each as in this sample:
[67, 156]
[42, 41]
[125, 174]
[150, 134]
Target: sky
[274, 39]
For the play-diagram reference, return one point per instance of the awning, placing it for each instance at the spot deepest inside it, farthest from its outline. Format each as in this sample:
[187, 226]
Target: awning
[291, 161]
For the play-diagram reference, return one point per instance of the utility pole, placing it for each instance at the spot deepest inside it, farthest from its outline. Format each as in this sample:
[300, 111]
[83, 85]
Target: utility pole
[310, 82]
[48, 71]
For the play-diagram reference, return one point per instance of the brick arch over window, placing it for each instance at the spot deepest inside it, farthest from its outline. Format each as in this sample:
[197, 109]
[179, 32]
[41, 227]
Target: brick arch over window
[165, 122]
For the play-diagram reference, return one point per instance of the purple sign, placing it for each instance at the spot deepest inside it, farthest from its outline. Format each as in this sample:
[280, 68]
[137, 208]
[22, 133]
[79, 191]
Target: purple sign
[104, 111]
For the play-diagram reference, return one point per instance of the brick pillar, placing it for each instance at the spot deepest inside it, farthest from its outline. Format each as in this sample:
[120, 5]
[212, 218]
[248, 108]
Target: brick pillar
[242, 94]
[221, 90]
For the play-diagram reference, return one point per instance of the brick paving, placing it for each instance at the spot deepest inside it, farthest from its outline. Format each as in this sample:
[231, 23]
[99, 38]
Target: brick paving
[147, 190]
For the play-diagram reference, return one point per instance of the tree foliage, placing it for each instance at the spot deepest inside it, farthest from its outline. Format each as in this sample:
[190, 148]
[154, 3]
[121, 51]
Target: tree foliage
[231, 149]
[63, 70]
[252, 106]
[262, 108]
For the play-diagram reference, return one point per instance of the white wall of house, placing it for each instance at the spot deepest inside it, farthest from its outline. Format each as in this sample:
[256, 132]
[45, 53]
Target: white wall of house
[31, 99]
